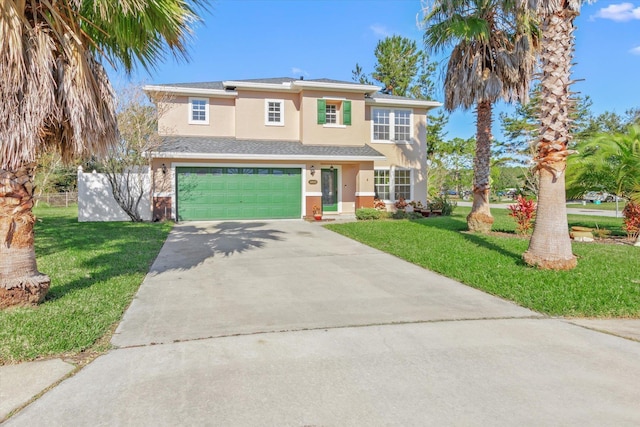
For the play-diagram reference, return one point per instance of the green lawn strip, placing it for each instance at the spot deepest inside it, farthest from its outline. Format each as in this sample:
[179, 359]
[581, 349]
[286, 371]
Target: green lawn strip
[606, 282]
[95, 270]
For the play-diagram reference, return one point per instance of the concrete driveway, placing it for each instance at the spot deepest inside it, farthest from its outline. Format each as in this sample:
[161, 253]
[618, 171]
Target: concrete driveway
[284, 323]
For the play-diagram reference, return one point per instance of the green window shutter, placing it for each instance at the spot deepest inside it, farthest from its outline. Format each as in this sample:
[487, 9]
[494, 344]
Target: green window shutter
[346, 112]
[322, 111]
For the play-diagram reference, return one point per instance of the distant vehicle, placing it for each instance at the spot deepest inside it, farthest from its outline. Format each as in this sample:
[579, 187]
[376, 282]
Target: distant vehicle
[600, 196]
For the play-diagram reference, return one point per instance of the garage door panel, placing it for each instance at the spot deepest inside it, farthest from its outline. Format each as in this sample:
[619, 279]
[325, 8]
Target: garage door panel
[213, 193]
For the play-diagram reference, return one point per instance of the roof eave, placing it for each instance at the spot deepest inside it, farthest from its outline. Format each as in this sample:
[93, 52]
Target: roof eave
[189, 91]
[278, 87]
[404, 102]
[347, 87]
[228, 156]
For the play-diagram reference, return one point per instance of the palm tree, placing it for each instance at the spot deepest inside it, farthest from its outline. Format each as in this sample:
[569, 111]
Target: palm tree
[492, 58]
[550, 245]
[614, 156]
[55, 94]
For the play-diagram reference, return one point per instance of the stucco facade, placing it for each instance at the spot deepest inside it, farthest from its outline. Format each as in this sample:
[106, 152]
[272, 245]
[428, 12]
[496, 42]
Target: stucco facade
[327, 134]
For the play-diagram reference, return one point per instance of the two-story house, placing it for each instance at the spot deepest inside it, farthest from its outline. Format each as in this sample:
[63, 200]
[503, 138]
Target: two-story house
[275, 148]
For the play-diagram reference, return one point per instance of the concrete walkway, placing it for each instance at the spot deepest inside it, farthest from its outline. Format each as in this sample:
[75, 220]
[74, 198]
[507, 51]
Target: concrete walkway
[286, 323]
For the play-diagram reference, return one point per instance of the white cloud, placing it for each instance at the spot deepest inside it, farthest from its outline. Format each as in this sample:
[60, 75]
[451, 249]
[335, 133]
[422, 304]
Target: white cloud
[619, 12]
[380, 30]
[635, 50]
[299, 72]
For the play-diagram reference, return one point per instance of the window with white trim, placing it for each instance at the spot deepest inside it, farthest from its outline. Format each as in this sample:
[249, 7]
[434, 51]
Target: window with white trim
[392, 184]
[331, 114]
[391, 125]
[274, 112]
[199, 111]
[381, 182]
[402, 184]
[334, 112]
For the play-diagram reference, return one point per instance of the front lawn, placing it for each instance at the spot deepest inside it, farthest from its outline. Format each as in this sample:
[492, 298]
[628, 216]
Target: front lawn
[606, 282]
[95, 270]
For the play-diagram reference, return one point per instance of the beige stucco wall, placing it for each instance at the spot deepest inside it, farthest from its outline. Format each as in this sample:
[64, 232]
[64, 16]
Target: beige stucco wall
[250, 114]
[174, 118]
[314, 134]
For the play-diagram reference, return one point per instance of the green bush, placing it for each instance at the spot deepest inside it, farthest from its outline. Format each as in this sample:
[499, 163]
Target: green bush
[364, 214]
[443, 204]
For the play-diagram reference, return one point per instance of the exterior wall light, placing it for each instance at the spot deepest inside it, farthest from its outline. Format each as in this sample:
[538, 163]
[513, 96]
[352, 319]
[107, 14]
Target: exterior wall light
[164, 169]
[312, 170]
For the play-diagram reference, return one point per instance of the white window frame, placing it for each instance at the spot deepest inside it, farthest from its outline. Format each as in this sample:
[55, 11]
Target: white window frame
[192, 121]
[266, 112]
[333, 114]
[392, 182]
[338, 103]
[395, 184]
[392, 125]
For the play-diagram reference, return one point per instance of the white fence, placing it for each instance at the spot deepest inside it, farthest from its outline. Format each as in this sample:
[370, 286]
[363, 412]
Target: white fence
[96, 202]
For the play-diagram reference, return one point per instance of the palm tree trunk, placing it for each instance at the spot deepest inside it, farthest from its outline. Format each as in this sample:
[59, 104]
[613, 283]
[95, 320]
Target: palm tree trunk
[550, 245]
[480, 219]
[20, 281]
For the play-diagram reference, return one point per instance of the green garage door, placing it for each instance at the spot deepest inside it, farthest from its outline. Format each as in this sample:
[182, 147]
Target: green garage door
[214, 193]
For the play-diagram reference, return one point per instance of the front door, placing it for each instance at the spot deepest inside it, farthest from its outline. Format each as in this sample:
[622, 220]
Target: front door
[329, 182]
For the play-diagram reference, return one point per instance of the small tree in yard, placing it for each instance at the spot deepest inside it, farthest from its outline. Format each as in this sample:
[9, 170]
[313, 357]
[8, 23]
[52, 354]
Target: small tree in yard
[524, 213]
[127, 162]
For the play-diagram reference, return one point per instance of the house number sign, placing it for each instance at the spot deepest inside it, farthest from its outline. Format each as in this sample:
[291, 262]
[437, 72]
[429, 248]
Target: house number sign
[313, 181]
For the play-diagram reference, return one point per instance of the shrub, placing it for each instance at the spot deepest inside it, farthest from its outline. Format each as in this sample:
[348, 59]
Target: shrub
[364, 214]
[443, 204]
[524, 213]
[631, 215]
[379, 204]
[399, 214]
[401, 204]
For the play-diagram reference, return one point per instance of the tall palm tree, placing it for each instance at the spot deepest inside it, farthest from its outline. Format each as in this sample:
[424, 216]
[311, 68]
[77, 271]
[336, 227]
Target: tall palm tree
[550, 245]
[492, 58]
[55, 94]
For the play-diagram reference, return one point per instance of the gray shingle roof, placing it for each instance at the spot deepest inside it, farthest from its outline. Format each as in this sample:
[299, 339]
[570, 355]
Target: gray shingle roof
[192, 145]
[274, 80]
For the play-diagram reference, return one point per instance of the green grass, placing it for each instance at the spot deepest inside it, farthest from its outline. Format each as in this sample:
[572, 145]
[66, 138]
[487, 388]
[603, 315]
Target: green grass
[606, 282]
[95, 270]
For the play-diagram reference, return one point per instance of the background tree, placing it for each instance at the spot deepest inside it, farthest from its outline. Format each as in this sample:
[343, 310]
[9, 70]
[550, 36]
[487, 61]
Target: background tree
[56, 96]
[456, 157]
[492, 58]
[608, 162]
[398, 59]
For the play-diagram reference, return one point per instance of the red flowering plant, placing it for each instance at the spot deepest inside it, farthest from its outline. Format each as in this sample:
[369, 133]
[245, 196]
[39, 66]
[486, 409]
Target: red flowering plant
[401, 204]
[631, 214]
[524, 213]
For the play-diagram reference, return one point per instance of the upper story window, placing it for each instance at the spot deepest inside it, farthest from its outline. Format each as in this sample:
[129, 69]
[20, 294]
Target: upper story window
[331, 114]
[334, 112]
[274, 112]
[199, 111]
[391, 125]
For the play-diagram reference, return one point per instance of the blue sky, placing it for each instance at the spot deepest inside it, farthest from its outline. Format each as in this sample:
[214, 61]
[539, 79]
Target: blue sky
[243, 39]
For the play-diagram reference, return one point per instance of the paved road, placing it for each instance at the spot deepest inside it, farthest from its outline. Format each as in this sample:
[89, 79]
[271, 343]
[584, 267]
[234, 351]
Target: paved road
[582, 210]
[288, 324]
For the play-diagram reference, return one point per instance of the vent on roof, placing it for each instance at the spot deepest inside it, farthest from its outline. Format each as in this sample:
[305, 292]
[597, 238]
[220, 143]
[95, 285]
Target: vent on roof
[301, 77]
[230, 88]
